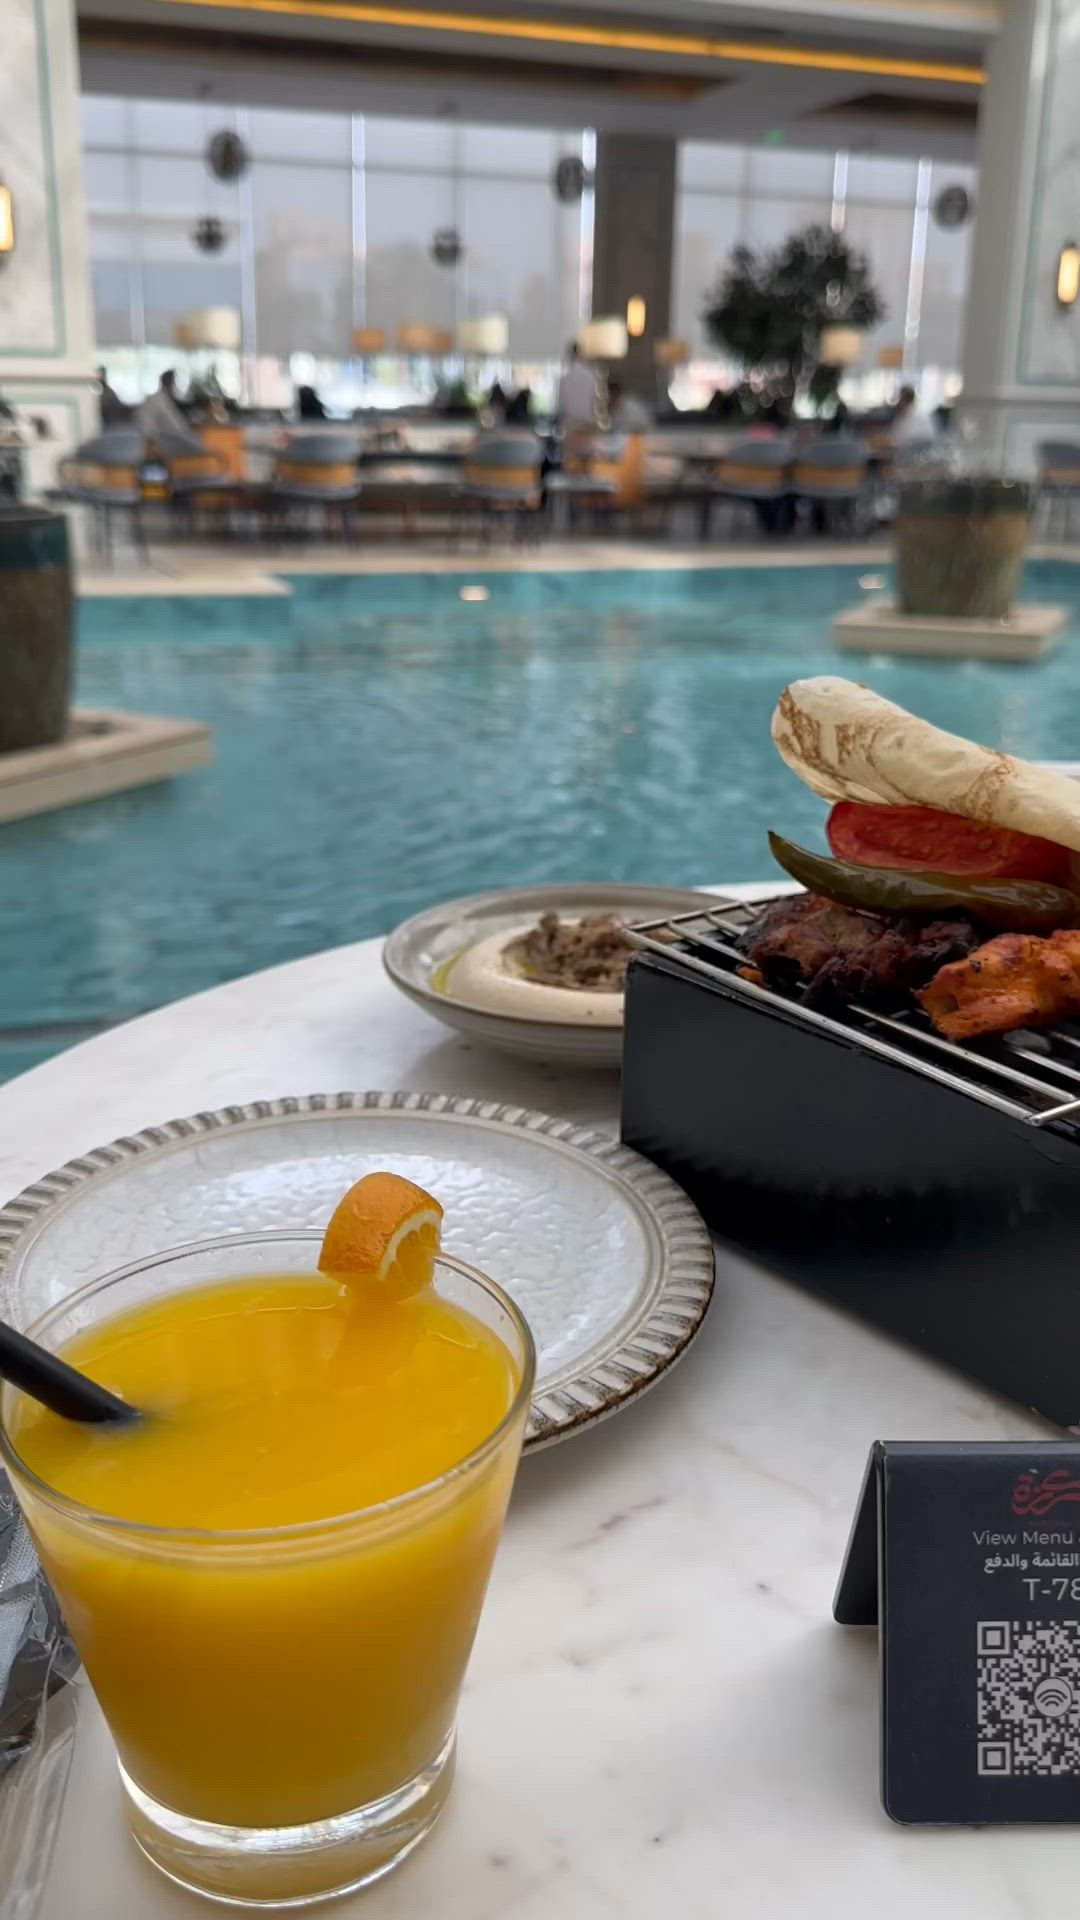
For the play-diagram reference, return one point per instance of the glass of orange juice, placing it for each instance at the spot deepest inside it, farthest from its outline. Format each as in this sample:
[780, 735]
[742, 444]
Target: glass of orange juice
[275, 1578]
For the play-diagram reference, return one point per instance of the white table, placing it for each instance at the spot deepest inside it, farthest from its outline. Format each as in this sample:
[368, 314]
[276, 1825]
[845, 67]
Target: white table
[660, 1714]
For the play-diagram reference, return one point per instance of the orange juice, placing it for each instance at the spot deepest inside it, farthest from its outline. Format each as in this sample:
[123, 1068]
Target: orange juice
[275, 1621]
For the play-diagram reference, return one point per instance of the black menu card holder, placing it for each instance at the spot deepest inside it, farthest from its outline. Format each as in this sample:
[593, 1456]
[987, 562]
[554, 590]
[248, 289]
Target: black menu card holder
[967, 1558]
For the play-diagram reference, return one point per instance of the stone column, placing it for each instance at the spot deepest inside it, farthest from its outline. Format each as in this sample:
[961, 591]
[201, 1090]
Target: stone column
[1022, 348]
[46, 333]
[632, 243]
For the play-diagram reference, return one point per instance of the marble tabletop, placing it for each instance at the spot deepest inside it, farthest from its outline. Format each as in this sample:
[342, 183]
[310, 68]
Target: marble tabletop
[660, 1714]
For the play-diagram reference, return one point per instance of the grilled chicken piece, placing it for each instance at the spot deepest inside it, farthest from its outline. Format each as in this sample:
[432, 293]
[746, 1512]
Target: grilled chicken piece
[839, 955]
[1017, 980]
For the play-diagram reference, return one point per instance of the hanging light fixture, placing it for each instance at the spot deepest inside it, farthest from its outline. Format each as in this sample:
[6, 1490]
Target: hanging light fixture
[635, 316]
[216, 328]
[1068, 274]
[7, 223]
[226, 156]
[603, 337]
[419, 340]
[570, 179]
[209, 234]
[487, 337]
[446, 246]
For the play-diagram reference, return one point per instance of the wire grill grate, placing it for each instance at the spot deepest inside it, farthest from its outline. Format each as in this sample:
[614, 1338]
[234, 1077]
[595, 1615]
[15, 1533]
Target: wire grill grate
[1032, 1075]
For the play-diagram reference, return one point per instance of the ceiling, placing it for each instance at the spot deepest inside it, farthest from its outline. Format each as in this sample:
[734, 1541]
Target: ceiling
[888, 76]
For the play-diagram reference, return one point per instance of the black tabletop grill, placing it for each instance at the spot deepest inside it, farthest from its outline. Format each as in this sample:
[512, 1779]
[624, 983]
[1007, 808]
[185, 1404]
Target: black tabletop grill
[932, 1187]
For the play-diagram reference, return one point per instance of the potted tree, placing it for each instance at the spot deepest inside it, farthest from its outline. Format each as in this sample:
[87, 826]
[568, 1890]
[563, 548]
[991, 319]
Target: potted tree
[960, 540]
[773, 304]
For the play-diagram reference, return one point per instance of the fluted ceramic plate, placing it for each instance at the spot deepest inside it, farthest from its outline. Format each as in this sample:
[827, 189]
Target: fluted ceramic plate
[416, 950]
[608, 1259]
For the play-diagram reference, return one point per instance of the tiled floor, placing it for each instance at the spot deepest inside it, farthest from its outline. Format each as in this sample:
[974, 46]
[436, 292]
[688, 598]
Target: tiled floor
[250, 568]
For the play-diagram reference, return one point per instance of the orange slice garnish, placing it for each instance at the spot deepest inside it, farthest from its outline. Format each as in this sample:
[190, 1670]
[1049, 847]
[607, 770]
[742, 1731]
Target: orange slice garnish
[385, 1229]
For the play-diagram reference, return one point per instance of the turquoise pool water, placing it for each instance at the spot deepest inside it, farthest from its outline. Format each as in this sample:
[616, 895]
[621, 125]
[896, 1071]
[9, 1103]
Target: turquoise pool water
[381, 744]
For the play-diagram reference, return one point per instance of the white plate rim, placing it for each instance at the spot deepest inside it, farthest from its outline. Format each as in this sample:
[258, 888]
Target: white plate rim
[670, 1315]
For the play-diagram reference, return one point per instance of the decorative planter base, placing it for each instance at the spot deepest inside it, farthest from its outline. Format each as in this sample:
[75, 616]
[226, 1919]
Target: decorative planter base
[1028, 633]
[104, 752]
[960, 546]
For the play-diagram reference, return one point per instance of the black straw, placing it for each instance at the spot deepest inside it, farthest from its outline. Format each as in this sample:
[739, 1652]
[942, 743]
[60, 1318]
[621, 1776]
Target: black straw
[59, 1387]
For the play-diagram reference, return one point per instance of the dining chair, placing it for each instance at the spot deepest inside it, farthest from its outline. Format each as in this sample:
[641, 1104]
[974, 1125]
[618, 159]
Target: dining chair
[830, 475]
[609, 479]
[502, 476]
[316, 470]
[755, 475]
[105, 474]
[1059, 481]
[196, 478]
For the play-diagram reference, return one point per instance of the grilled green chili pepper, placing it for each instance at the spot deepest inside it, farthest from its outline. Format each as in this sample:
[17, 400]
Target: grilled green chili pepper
[1016, 906]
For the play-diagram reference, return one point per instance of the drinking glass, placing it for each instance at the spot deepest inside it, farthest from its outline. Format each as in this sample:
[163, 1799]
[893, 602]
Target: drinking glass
[283, 1700]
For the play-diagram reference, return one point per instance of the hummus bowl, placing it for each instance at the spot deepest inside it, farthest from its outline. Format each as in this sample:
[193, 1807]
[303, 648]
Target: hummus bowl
[452, 961]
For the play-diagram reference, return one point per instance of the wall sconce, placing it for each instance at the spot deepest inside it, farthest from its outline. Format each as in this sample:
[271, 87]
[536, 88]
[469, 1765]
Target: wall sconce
[7, 223]
[1068, 274]
[635, 316]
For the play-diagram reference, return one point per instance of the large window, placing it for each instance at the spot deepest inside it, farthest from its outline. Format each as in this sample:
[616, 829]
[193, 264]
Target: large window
[331, 229]
[945, 270]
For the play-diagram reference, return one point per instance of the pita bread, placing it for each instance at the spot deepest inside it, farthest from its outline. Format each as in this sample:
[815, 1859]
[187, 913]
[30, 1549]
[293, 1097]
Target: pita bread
[847, 743]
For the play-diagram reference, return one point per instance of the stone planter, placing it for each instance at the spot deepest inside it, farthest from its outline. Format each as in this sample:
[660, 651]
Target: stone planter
[36, 615]
[960, 547]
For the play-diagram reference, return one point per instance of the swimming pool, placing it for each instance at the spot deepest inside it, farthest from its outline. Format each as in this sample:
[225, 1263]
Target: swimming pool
[381, 744]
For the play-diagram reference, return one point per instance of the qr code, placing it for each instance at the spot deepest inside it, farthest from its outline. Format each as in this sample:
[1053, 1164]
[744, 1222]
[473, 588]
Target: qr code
[1028, 1697]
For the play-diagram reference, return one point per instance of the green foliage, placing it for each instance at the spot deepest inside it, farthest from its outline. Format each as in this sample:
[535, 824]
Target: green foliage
[771, 305]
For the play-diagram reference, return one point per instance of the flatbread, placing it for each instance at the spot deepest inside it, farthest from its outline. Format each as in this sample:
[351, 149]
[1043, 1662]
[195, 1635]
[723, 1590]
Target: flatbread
[848, 743]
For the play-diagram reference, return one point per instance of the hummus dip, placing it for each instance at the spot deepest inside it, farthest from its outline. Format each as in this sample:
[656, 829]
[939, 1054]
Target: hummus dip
[491, 976]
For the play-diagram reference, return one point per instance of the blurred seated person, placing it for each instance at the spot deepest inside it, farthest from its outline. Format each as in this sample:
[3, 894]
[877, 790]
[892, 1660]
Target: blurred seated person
[454, 400]
[626, 412]
[10, 456]
[112, 411]
[909, 427]
[308, 404]
[161, 412]
[721, 404]
[496, 402]
[207, 402]
[770, 418]
[519, 409]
